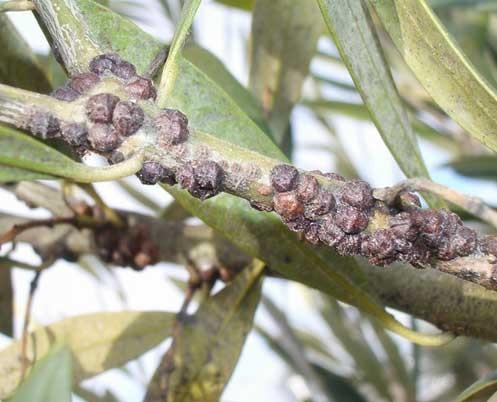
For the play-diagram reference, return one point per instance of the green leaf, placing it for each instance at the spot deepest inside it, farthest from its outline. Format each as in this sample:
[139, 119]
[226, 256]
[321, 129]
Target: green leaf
[479, 166]
[353, 341]
[208, 345]
[396, 362]
[98, 342]
[30, 159]
[6, 299]
[210, 109]
[284, 39]
[483, 388]
[171, 68]
[19, 66]
[441, 66]
[49, 380]
[12, 174]
[339, 387]
[213, 68]
[360, 112]
[353, 32]
[246, 5]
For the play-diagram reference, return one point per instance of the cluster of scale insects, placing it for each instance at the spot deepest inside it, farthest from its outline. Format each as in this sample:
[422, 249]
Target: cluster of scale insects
[339, 218]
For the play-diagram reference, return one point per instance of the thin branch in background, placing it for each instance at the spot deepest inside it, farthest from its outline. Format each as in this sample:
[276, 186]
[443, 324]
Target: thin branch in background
[27, 318]
[16, 230]
[17, 5]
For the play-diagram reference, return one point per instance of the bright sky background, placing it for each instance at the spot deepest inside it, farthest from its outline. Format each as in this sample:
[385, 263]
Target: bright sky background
[66, 290]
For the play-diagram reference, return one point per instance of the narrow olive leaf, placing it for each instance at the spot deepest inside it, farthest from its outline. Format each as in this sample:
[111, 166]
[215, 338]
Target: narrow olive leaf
[339, 387]
[49, 380]
[353, 341]
[26, 154]
[470, 29]
[284, 39]
[478, 166]
[98, 342]
[171, 68]
[350, 25]
[12, 174]
[209, 108]
[19, 66]
[481, 389]
[209, 344]
[6, 298]
[441, 66]
[217, 71]
[465, 3]
[246, 5]
[396, 361]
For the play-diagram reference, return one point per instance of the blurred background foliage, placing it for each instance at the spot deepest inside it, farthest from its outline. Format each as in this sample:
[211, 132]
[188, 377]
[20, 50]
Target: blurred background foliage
[352, 359]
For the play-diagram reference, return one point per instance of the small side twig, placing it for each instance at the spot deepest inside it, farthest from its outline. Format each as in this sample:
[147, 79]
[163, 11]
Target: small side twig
[16, 230]
[473, 205]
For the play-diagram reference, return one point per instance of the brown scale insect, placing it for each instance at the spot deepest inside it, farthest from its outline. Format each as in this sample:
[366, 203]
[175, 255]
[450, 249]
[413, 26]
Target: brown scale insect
[287, 205]
[151, 173]
[329, 232]
[185, 176]
[284, 178]
[350, 219]
[65, 93]
[488, 244]
[349, 245]
[103, 63]
[320, 205]
[358, 194]
[123, 69]
[460, 243]
[307, 187]
[379, 247]
[103, 137]
[83, 82]
[127, 118]
[43, 125]
[298, 225]
[141, 88]
[209, 177]
[311, 232]
[403, 226]
[202, 181]
[75, 134]
[172, 126]
[100, 108]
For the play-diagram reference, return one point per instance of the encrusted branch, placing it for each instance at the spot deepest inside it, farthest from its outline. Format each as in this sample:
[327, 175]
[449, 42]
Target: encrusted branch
[111, 111]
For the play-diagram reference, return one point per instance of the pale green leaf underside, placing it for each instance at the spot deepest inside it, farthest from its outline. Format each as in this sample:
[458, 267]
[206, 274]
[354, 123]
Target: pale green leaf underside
[49, 380]
[98, 342]
[356, 39]
[441, 66]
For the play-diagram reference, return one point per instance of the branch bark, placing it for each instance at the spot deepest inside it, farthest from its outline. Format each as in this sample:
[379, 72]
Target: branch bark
[381, 225]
